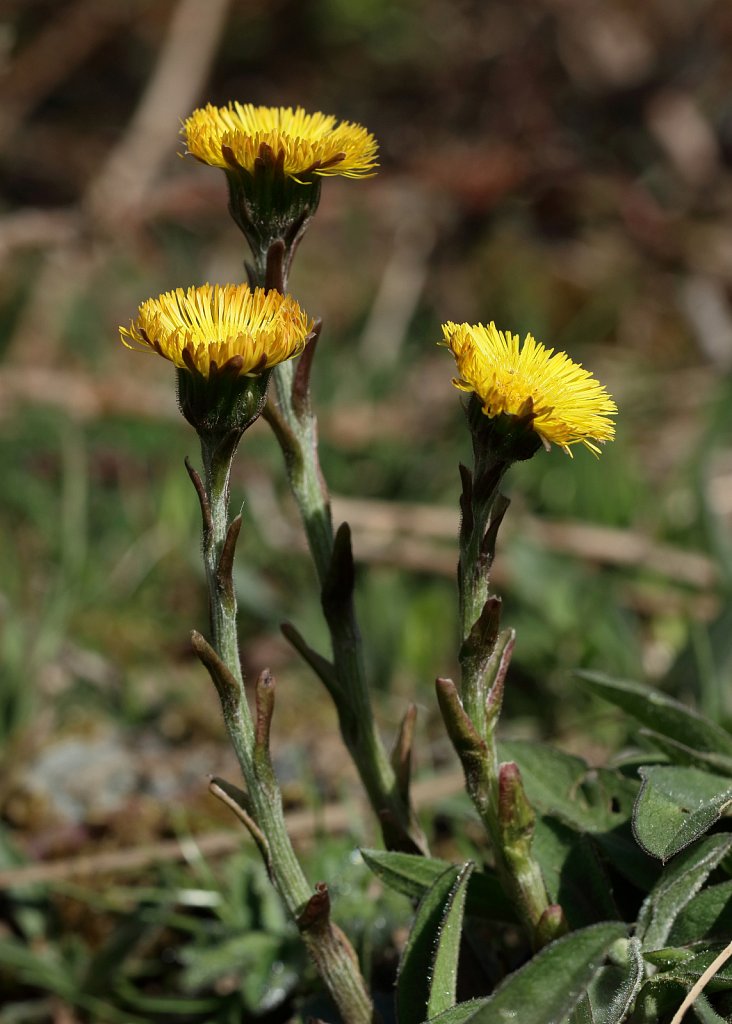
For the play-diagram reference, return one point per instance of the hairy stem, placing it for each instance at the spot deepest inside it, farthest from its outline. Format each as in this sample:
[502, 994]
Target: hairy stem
[328, 947]
[296, 428]
[496, 790]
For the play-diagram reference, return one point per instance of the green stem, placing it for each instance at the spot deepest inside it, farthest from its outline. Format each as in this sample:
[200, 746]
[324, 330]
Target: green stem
[329, 949]
[502, 806]
[304, 474]
[296, 428]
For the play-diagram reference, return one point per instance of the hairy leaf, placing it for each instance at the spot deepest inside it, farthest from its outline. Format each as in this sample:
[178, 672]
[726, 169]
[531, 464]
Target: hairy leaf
[675, 806]
[614, 988]
[678, 884]
[661, 713]
[547, 989]
[412, 874]
[432, 947]
[707, 915]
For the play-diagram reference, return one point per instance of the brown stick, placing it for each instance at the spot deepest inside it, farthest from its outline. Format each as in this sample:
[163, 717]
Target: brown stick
[54, 53]
[332, 818]
[182, 67]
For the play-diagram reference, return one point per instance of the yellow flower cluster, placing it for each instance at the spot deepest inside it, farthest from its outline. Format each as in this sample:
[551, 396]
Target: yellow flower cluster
[241, 133]
[218, 326]
[569, 405]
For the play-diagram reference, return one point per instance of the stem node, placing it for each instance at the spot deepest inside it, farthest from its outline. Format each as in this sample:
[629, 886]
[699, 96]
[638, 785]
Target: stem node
[202, 497]
[226, 684]
[224, 571]
[239, 803]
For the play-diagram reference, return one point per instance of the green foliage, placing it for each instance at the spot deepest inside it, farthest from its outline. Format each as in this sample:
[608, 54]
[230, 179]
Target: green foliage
[427, 978]
[663, 715]
[413, 875]
[550, 986]
[677, 805]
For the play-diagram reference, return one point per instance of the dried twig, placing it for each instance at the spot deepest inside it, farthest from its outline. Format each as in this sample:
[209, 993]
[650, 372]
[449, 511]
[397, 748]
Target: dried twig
[699, 984]
[183, 65]
[601, 544]
[402, 280]
[301, 825]
[60, 46]
[124, 180]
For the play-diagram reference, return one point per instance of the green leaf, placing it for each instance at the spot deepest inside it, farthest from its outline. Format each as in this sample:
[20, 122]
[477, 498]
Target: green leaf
[680, 753]
[42, 967]
[621, 850]
[707, 915]
[253, 961]
[658, 998]
[439, 911]
[594, 800]
[110, 958]
[613, 989]
[443, 982]
[675, 806]
[705, 1013]
[461, 1013]
[582, 1013]
[688, 966]
[408, 873]
[668, 958]
[661, 713]
[547, 989]
[564, 786]
[573, 873]
[693, 968]
[661, 995]
[412, 874]
[678, 884]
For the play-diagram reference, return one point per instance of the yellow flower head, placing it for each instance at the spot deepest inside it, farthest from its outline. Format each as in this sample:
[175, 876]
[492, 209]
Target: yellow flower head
[220, 327]
[568, 405]
[237, 135]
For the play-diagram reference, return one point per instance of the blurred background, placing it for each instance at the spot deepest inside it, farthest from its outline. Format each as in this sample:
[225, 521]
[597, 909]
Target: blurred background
[558, 166]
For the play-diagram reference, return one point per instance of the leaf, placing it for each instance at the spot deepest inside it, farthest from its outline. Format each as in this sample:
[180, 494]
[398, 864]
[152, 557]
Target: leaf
[566, 787]
[594, 800]
[693, 969]
[658, 998]
[573, 873]
[434, 937]
[687, 966]
[548, 988]
[678, 884]
[704, 1012]
[412, 874]
[668, 958]
[675, 806]
[461, 1013]
[621, 850]
[661, 713]
[122, 942]
[407, 873]
[707, 915]
[443, 981]
[680, 753]
[253, 960]
[43, 967]
[582, 1013]
[614, 988]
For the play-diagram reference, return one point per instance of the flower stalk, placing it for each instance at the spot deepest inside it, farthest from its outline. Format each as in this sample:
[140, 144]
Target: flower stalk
[472, 716]
[522, 397]
[261, 806]
[295, 425]
[275, 159]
